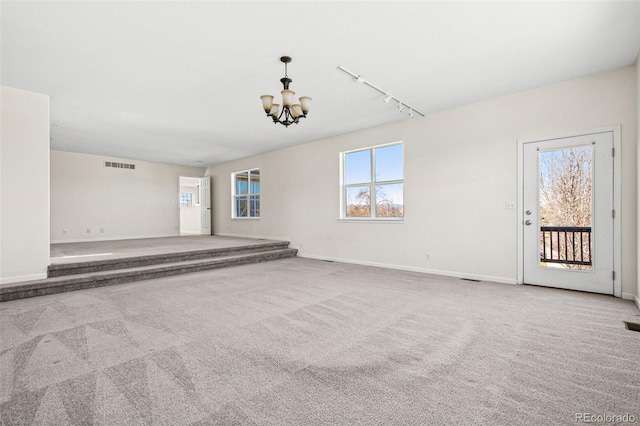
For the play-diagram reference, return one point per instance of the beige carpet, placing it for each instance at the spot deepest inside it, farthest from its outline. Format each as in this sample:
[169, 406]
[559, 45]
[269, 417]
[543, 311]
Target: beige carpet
[303, 342]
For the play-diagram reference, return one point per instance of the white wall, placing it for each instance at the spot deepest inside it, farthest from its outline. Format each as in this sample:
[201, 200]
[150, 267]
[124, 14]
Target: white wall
[24, 185]
[460, 169]
[190, 216]
[122, 203]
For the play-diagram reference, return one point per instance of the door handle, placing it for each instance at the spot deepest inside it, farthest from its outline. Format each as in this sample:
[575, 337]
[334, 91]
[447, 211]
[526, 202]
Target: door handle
[527, 222]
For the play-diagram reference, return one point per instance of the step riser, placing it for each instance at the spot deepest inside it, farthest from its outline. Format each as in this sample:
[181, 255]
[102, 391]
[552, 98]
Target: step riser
[140, 276]
[61, 270]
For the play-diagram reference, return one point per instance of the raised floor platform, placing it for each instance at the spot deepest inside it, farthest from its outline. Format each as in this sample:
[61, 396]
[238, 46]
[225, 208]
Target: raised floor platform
[76, 266]
[89, 251]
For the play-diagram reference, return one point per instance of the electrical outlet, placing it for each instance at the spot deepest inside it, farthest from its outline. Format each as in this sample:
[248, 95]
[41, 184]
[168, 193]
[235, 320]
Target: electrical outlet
[428, 256]
[508, 205]
[88, 231]
[64, 232]
[102, 230]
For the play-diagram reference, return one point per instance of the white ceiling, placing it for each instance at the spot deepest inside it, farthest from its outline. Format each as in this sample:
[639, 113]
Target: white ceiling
[179, 82]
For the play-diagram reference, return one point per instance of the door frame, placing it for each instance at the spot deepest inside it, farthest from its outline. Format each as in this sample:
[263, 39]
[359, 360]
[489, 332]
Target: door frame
[617, 199]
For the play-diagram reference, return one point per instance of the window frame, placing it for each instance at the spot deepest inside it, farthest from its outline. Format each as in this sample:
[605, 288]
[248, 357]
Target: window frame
[371, 184]
[248, 195]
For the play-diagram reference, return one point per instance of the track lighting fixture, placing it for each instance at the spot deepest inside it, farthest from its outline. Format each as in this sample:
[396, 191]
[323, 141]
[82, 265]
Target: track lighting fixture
[387, 97]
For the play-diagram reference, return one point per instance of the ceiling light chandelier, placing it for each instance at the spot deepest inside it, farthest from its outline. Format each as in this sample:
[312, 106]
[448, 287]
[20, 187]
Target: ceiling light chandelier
[290, 113]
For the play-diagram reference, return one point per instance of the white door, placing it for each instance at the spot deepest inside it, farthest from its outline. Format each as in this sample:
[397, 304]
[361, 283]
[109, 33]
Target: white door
[567, 201]
[205, 205]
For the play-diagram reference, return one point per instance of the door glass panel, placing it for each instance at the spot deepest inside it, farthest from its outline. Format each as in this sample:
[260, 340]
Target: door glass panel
[565, 208]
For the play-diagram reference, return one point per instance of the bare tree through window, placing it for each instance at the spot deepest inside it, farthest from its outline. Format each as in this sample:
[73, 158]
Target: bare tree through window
[359, 204]
[566, 206]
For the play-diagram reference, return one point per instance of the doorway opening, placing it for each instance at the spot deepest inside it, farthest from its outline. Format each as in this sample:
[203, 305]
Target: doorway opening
[190, 208]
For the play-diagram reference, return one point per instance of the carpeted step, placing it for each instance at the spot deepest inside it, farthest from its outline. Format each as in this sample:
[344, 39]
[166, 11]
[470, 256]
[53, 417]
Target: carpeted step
[63, 269]
[138, 273]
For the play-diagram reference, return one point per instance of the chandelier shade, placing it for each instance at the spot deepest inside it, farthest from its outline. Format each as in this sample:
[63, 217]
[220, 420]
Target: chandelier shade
[267, 102]
[290, 112]
[287, 97]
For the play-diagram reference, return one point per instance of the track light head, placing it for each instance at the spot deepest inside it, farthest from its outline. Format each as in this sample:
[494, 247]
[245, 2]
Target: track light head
[400, 107]
[359, 79]
[387, 99]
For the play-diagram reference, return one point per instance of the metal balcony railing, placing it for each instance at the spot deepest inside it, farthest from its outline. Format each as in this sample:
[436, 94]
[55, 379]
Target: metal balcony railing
[565, 244]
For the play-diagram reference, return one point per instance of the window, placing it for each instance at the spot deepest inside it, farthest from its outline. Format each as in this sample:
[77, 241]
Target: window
[373, 177]
[186, 199]
[246, 194]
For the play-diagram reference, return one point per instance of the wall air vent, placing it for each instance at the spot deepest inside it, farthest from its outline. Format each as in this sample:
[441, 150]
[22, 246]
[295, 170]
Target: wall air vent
[119, 165]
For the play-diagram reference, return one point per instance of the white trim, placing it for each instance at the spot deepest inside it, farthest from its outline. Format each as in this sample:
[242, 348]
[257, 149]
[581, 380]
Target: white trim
[628, 296]
[519, 204]
[587, 132]
[617, 205]
[23, 278]
[617, 199]
[637, 300]
[501, 280]
[398, 142]
[254, 237]
[135, 237]
[373, 220]
[343, 202]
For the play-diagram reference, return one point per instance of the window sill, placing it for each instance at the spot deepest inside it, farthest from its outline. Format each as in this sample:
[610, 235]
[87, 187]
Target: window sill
[245, 218]
[379, 220]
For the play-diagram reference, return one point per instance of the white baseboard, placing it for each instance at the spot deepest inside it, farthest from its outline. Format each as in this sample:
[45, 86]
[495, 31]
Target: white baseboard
[628, 296]
[637, 300]
[134, 237]
[255, 237]
[22, 278]
[479, 277]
